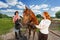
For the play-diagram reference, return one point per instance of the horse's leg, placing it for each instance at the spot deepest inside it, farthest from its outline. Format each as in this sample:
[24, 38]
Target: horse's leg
[20, 33]
[16, 36]
[29, 32]
[34, 30]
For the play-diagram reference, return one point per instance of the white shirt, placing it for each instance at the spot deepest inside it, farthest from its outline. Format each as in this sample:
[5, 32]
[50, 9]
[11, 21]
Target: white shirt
[44, 25]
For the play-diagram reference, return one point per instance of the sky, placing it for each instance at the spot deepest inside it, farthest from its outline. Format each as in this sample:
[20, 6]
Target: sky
[8, 7]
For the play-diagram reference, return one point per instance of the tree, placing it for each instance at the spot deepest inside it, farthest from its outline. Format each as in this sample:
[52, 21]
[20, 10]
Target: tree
[38, 15]
[57, 14]
[0, 15]
[3, 16]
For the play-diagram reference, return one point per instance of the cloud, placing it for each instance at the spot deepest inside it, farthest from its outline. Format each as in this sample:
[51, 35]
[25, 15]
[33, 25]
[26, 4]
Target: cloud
[35, 7]
[38, 6]
[55, 9]
[12, 2]
[11, 10]
[20, 5]
[46, 9]
[36, 11]
[43, 5]
[3, 5]
[31, 6]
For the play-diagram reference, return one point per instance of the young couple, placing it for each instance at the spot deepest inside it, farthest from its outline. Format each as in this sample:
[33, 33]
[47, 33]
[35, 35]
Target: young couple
[44, 26]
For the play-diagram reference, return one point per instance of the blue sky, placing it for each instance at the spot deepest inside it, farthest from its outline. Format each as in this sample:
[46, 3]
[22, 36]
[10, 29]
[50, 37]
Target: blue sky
[37, 6]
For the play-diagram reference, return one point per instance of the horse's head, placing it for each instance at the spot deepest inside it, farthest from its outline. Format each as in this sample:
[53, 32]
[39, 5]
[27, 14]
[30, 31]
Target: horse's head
[28, 15]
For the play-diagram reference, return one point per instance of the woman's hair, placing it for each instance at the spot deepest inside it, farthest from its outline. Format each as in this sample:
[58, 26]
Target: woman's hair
[47, 15]
[16, 12]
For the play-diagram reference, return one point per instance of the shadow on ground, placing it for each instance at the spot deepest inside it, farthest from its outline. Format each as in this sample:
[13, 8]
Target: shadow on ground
[22, 38]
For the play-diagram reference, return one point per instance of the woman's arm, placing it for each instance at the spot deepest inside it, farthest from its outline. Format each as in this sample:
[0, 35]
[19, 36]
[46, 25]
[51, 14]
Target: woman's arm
[45, 25]
[37, 26]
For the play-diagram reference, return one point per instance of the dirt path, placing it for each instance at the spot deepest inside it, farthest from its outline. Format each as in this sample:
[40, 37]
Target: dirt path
[53, 37]
[11, 36]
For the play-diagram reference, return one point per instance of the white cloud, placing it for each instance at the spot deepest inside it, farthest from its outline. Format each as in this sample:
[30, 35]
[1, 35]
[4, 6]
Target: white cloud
[20, 5]
[35, 7]
[46, 9]
[32, 6]
[35, 10]
[55, 9]
[12, 2]
[3, 5]
[11, 10]
[38, 6]
[44, 6]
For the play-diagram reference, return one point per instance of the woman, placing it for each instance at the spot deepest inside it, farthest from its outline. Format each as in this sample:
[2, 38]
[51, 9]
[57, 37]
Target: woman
[16, 19]
[44, 26]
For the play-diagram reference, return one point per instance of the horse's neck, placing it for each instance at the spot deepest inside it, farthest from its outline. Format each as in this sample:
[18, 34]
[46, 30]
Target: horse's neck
[34, 20]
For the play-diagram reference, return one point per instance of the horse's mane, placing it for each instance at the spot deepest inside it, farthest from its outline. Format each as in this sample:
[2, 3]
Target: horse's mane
[34, 18]
[32, 15]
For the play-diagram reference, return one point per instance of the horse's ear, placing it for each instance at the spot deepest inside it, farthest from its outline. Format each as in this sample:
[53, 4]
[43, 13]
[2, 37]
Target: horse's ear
[26, 7]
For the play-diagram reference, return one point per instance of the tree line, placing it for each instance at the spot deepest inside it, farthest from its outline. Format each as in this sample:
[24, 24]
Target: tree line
[4, 16]
[57, 15]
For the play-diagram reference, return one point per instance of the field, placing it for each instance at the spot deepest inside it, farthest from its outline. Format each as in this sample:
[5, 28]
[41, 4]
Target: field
[5, 25]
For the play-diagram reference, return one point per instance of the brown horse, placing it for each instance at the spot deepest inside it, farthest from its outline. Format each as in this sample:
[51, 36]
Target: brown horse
[30, 19]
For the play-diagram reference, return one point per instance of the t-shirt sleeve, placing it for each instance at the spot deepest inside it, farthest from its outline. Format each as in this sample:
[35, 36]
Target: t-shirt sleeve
[39, 26]
[45, 24]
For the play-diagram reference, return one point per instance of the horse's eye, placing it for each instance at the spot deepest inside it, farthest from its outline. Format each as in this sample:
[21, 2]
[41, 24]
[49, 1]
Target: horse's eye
[27, 15]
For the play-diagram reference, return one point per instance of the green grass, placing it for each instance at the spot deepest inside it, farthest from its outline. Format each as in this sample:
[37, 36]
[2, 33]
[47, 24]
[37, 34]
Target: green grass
[5, 25]
[56, 28]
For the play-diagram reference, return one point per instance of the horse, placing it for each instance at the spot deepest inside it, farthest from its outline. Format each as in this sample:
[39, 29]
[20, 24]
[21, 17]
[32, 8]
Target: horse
[30, 19]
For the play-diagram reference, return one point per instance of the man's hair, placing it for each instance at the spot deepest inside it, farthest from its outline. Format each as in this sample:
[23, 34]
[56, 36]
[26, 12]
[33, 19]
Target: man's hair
[16, 12]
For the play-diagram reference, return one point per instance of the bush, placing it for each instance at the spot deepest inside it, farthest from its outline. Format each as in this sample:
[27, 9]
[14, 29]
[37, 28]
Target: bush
[58, 14]
[38, 16]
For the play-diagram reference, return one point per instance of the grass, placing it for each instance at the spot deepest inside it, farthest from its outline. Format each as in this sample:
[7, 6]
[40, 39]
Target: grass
[56, 28]
[5, 25]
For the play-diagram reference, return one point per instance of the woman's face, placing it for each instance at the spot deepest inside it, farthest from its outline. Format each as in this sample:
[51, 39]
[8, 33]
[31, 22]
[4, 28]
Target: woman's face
[44, 16]
[16, 13]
